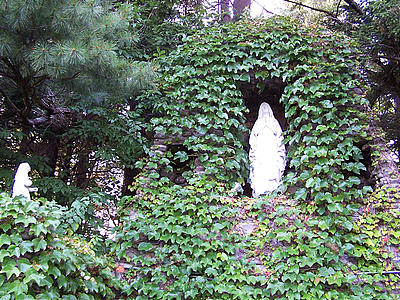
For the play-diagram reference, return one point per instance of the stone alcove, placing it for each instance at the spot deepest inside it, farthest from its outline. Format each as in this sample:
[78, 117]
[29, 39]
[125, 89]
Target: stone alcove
[382, 173]
[272, 91]
[254, 94]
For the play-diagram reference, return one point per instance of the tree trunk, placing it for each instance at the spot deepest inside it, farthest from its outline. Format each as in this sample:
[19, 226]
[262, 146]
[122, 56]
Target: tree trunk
[52, 154]
[81, 170]
[129, 176]
[224, 6]
[66, 163]
[239, 6]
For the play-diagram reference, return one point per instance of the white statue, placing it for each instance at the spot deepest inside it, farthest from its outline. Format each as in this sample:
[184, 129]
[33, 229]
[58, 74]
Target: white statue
[267, 153]
[22, 182]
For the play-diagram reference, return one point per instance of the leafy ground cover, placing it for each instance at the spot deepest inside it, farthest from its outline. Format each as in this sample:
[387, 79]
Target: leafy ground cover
[40, 259]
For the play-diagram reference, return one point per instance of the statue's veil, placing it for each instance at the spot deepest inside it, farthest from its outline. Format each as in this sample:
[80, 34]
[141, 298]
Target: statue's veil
[23, 169]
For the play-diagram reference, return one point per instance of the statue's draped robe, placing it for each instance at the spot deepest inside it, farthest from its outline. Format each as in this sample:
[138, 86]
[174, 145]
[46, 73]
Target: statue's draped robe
[267, 153]
[22, 182]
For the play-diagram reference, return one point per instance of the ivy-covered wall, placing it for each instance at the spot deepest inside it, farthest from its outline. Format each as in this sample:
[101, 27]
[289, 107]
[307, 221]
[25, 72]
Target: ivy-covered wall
[190, 241]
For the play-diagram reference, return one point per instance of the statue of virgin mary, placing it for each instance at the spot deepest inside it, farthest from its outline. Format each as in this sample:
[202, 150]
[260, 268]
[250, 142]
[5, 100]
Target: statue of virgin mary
[22, 182]
[267, 153]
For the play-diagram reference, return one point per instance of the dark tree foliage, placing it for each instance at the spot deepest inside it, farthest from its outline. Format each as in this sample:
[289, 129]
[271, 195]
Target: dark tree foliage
[70, 76]
[64, 87]
[160, 25]
[375, 24]
[377, 28]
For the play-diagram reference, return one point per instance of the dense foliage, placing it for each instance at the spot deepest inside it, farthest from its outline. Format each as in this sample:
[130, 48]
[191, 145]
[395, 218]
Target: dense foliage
[66, 92]
[178, 232]
[377, 29]
[160, 25]
[375, 26]
[40, 260]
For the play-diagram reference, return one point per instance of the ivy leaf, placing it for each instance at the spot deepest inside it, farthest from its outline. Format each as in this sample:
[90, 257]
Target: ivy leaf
[144, 246]
[222, 256]
[39, 228]
[39, 244]
[284, 236]
[26, 246]
[274, 287]
[353, 180]
[323, 224]
[18, 288]
[327, 104]
[211, 271]
[5, 239]
[25, 220]
[181, 155]
[62, 281]
[10, 269]
[33, 275]
[335, 207]
[300, 194]
[24, 265]
[4, 253]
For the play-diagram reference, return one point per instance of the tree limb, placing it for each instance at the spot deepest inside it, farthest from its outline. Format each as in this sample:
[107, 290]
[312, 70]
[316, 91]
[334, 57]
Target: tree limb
[21, 82]
[38, 121]
[14, 107]
[263, 8]
[12, 68]
[338, 8]
[40, 80]
[71, 77]
[355, 6]
[313, 8]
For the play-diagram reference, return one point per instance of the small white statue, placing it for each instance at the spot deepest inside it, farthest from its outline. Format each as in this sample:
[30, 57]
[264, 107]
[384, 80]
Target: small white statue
[267, 153]
[22, 182]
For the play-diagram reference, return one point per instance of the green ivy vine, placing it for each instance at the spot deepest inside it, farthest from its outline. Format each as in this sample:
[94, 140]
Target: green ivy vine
[181, 241]
[40, 260]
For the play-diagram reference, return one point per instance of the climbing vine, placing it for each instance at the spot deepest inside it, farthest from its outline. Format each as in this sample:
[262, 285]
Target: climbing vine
[40, 260]
[184, 242]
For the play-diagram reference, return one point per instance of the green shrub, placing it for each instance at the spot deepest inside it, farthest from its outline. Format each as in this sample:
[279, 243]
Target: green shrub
[39, 260]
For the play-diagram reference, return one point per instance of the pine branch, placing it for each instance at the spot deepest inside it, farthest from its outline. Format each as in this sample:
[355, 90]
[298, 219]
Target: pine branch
[40, 80]
[71, 77]
[19, 80]
[12, 68]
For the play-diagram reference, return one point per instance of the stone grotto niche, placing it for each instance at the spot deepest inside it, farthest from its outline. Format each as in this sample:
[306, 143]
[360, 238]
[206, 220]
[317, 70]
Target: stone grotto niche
[253, 97]
[272, 90]
[383, 173]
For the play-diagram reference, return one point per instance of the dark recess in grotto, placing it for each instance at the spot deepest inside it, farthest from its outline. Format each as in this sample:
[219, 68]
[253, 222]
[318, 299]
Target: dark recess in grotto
[272, 90]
